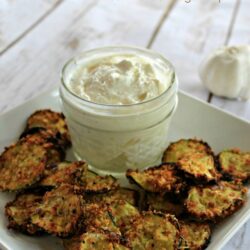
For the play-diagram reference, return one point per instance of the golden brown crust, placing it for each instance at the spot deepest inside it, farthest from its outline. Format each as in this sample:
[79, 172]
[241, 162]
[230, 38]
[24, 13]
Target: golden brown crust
[51, 120]
[196, 235]
[165, 204]
[235, 164]
[123, 214]
[90, 182]
[77, 174]
[98, 217]
[22, 164]
[199, 167]
[59, 212]
[152, 231]
[56, 152]
[95, 241]
[20, 210]
[129, 195]
[159, 179]
[63, 172]
[215, 202]
[180, 148]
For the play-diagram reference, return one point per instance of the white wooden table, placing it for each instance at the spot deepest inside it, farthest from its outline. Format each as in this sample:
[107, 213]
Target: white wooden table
[37, 37]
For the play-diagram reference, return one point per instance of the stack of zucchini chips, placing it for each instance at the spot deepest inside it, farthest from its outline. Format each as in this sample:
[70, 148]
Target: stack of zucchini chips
[173, 206]
[194, 188]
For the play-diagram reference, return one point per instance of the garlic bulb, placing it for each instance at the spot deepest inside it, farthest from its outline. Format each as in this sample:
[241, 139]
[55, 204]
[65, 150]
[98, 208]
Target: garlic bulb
[226, 72]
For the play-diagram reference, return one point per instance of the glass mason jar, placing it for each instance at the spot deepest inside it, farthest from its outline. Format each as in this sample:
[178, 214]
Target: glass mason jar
[113, 138]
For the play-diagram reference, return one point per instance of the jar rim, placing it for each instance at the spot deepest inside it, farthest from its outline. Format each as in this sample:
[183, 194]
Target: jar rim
[110, 48]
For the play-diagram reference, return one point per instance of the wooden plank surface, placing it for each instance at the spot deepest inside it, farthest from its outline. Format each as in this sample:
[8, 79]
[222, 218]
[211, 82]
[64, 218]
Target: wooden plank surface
[17, 17]
[240, 35]
[73, 27]
[36, 41]
[191, 31]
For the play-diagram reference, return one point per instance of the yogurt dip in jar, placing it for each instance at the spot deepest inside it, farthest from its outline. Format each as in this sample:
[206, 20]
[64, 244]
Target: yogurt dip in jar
[118, 102]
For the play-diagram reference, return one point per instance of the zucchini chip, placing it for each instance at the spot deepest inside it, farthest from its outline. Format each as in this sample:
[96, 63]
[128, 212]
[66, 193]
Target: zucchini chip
[22, 164]
[199, 167]
[63, 172]
[235, 164]
[178, 149]
[196, 235]
[20, 210]
[129, 195]
[163, 178]
[94, 241]
[77, 173]
[123, 214]
[98, 217]
[215, 202]
[50, 120]
[59, 211]
[164, 204]
[154, 231]
[91, 182]
[55, 153]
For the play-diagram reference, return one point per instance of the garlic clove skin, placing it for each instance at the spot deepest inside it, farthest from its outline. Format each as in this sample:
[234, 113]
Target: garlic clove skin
[226, 72]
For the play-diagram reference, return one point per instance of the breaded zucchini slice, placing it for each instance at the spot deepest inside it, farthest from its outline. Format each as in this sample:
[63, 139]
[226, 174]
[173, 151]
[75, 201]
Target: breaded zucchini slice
[55, 153]
[22, 164]
[59, 211]
[20, 210]
[196, 235]
[62, 172]
[164, 204]
[90, 182]
[98, 217]
[94, 241]
[178, 149]
[199, 167]
[154, 231]
[123, 214]
[77, 173]
[163, 178]
[129, 195]
[215, 202]
[235, 164]
[52, 120]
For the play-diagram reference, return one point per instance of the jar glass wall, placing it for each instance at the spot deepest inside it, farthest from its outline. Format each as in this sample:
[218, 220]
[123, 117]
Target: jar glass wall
[113, 138]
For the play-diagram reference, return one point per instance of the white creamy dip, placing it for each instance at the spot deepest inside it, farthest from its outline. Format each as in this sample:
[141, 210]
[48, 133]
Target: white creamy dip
[118, 104]
[120, 79]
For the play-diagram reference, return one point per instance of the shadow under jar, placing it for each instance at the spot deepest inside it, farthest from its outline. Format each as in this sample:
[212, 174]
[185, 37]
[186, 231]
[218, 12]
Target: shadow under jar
[113, 137]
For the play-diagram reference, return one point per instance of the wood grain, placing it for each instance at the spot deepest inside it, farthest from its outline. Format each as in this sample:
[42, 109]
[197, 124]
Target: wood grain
[240, 35]
[34, 63]
[35, 42]
[192, 31]
[165, 15]
[17, 17]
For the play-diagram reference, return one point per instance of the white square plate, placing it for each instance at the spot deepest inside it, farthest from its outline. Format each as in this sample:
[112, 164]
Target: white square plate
[193, 118]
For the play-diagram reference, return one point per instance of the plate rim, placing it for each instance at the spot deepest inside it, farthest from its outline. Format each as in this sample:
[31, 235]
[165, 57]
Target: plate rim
[181, 92]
